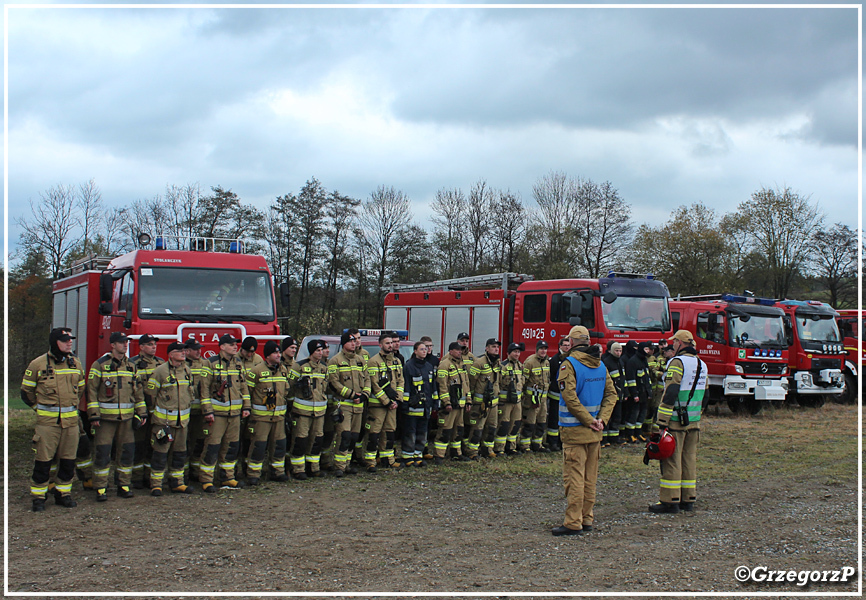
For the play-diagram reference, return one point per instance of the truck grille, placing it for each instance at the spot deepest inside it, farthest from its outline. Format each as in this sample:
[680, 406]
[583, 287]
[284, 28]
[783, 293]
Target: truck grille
[756, 368]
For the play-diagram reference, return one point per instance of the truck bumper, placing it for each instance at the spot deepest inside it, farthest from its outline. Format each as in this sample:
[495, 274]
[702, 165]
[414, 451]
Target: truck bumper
[763, 389]
[825, 381]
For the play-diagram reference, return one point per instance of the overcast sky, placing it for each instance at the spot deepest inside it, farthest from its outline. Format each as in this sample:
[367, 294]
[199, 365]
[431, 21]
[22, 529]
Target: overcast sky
[672, 105]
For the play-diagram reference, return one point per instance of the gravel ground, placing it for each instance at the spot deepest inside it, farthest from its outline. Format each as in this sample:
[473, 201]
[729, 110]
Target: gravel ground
[457, 528]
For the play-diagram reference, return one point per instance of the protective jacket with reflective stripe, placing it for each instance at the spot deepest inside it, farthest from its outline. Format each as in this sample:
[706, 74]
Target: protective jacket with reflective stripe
[114, 391]
[55, 386]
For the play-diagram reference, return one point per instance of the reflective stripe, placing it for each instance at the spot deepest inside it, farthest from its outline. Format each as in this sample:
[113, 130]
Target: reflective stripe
[161, 412]
[311, 403]
[54, 409]
[122, 405]
[670, 484]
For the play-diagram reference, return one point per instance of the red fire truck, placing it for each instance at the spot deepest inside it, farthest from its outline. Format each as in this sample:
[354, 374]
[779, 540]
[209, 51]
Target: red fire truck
[518, 309]
[174, 295]
[850, 323]
[816, 353]
[742, 341]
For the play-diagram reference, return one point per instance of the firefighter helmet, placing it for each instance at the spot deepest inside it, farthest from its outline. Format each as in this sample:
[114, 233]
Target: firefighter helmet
[659, 446]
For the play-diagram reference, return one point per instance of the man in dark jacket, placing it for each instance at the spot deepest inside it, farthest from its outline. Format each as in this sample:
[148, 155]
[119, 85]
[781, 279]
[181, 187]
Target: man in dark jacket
[419, 398]
[612, 359]
[638, 388]
[553, 441]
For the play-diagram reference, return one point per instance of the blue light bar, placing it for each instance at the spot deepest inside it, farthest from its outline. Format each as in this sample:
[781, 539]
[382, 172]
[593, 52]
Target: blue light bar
[747, 300]
[159, 244]
[402, 333]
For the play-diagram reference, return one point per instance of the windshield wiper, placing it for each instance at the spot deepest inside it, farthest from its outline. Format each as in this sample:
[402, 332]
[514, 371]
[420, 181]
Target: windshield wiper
[200, 318]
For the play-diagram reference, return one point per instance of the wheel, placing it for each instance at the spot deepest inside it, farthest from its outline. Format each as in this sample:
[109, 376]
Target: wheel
[737, 405]
[850, 395]
[755, 406]
[811, 400]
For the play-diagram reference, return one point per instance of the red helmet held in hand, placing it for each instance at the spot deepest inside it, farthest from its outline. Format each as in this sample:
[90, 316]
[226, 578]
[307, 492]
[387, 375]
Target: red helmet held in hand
[659, 446]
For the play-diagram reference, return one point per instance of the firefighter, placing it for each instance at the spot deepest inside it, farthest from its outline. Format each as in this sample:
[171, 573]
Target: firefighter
[326, 462]
[386, 388]
[680, 413]
[452, 385]
[419, 398]
[170, 393]
[288, 351]
[655, 364]
[115, 407]
[612, 360]
[511, 385]
[53, 385]
[198, 367]
[468, 357]
[586, 402]
[638, 388]
[145, 363]
[227, 403]
[350, 383]
[553, 442]
[484, 383]
[362, 352]
[268, 384]
[536, 374]
[248, 353]
[431, 358]
[309, 407]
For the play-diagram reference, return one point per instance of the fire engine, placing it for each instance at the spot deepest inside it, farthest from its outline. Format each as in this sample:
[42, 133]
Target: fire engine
[850, 323]
[742, 341]
[209, 290]
[619, 307]
[816, 354]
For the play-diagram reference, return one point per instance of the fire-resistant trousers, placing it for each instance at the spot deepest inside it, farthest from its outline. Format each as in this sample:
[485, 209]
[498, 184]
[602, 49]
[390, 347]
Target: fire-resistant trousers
[449, 433]
[580, 472]
[346, 435]
[221, 442]
[48, 441]
[120, 434]
[159, 459]
[307, 434]
[509, 425]
[679, 471]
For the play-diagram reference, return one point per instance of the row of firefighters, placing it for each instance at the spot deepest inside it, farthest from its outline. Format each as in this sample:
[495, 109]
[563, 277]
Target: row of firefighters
[188, 418]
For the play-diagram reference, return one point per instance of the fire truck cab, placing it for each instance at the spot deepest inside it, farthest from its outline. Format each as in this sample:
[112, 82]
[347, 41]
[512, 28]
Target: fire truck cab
[619, 307]
[850, 323]
[742, 341]
[173, 295]
[816, 353]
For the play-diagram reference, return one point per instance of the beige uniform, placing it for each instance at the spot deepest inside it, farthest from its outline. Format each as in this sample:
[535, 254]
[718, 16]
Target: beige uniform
[350, 383]
[170, 391]
[228, 397]
[511, 385]
[114, 395]
[53, 389]
[194, 435]
[536, 372]
[144, 368]
[269, 395]
[483, 408]
[309, 407]
[386, 386]
[452, 383]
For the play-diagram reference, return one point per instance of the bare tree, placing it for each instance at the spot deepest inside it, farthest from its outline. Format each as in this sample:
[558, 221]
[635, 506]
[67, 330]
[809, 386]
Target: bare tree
[51, 229]
[834, 262]
[782, 224]
[478, 213]
[603, 226]
[309, 214]
[449, 232]
[557, 197]
[341, 213]
[88, 205]
[508, 229]
[384, 215]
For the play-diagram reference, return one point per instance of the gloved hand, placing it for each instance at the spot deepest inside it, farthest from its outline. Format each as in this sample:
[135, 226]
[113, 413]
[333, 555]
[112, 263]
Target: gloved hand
[137, 422]
[208, 418]
[391, 393]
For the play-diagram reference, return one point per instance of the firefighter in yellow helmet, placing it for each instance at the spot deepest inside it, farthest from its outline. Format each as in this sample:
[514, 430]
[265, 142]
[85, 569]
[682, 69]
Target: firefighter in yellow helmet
[53, 385]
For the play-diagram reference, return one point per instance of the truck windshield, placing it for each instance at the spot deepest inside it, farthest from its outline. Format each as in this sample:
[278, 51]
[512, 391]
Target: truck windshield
[822, 330]
[209, 293]
[758, 330]
[637, 313]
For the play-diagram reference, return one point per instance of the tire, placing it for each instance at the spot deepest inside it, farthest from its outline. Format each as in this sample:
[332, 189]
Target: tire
[850, 395]
[811, 400]
[737, 404]
[755, 406]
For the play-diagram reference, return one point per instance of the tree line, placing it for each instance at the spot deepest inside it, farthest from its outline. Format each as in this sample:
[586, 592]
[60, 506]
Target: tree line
[341, 254]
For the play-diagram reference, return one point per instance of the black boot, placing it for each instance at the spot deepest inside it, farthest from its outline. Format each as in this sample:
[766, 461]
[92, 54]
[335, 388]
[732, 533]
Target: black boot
[39, 505]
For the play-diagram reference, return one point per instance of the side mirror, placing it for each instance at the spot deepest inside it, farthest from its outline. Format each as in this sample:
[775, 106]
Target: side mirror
[574, 321]
[609, 297]
[105, 308]
[106, 288]
[745, 318]
[284, 294]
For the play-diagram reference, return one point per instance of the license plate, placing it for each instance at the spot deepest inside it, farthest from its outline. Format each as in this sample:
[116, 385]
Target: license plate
[765, 383]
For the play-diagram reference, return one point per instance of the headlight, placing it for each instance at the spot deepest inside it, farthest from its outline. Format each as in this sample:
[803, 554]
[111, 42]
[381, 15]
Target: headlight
[806, 378]
[784, 370]
[738, 368]
[737, 385]
[825, 347]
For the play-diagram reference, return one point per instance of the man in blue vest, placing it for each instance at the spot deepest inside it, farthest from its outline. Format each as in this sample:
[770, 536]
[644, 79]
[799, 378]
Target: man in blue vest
[680, 413]
[586, 401]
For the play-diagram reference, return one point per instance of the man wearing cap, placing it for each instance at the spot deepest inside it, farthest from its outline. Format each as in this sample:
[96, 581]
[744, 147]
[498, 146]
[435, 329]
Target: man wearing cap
[248, 353]
[468, 357]
[268, 383]
[227, 403]
[169, 391]
[115, 407]
[484, 383]
[680, 413]
[199, 369]
[613, 363]
[587, 398]
[452, 384]
[553, 442]
[536, 373]
[145, 363]
[53, 386]
[386, 388]
[511, 384]
[350, 383]
[309, 406]
[288, 351]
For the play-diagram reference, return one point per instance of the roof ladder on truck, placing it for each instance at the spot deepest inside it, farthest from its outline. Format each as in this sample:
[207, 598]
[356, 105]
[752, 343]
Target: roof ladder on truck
[464, 283]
